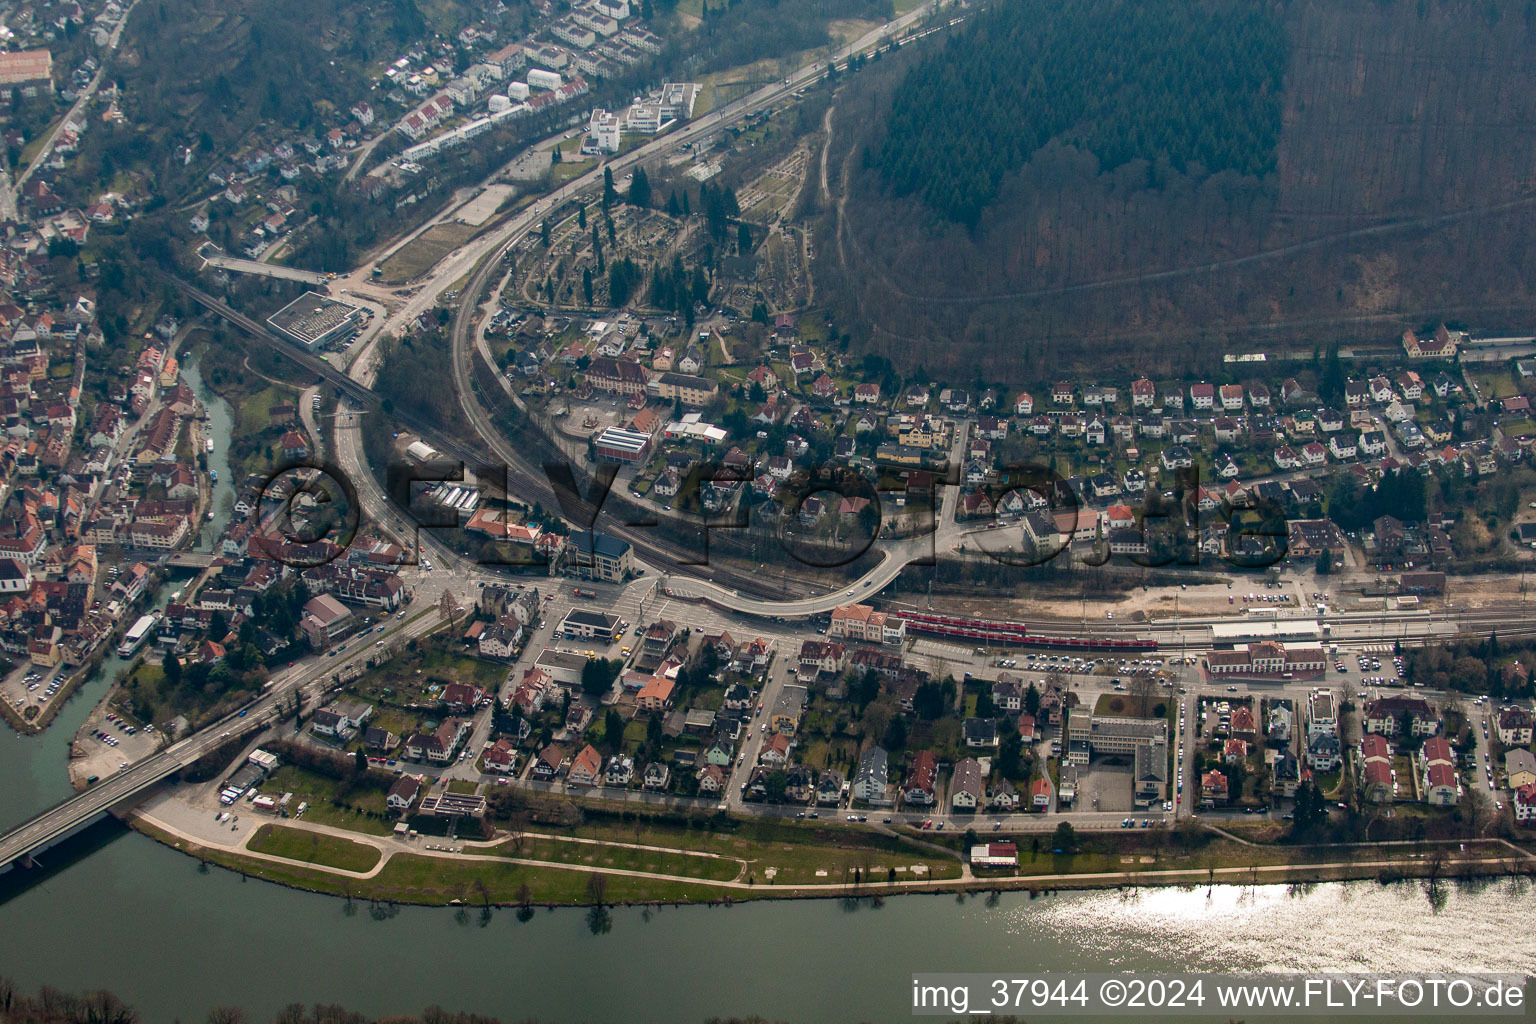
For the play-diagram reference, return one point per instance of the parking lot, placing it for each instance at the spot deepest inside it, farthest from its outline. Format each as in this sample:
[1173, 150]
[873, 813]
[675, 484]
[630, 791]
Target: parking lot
[107, 742]
[1104, 787]
[29, 686]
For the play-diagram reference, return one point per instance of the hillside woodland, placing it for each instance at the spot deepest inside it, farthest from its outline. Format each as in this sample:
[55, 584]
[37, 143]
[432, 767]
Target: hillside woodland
[1158, 181]
[202, 83]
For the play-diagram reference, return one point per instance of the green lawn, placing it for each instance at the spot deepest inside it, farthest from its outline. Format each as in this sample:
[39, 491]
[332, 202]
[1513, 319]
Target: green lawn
[1495, 385]
[795, 851]
[433, 880]
[408, 878]
[571, 165]
[407, 677]
[801, 864]
[1126, 704]
[35, 146]
[326, 813]
[299, 844]
[254, 410]
[365, 812]
[692, 865]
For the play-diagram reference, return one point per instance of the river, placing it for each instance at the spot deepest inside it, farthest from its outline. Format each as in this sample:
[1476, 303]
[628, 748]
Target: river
[33, 766]
[115, 910]
[147, 923]
[220, 424]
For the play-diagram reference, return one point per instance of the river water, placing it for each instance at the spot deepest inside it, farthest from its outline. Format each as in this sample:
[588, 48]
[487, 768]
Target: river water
[115, 910]
[220, 423]
[33, 767]
[143, 921]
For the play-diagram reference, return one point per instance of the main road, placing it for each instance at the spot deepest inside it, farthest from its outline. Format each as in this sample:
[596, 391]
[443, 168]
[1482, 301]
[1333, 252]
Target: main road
[481, 258]
[277, 270]
[528, 483]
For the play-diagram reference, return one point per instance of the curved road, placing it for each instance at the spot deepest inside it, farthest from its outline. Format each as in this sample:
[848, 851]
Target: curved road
[481, 258]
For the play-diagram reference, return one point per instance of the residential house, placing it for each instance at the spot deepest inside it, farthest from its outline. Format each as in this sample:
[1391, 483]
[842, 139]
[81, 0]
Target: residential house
[1513, 726]
[1519, 766]
[586, 768]
[1376, 778]
[774, 751]
[1386, 716]
[1323, 752]
[922, 778]
[1440, 783]
[438, 747]
[403, 794]
[549, 763]
[871, 781]
[1213, 789]
[501, 757]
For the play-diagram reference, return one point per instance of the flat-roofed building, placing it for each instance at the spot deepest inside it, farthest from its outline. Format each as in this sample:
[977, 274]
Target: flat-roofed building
[619, 445]
[315, 322]
[27, 70]
[563, 669]
[590, 625]
[1089, 734]
[1321, 716]
[454, 805]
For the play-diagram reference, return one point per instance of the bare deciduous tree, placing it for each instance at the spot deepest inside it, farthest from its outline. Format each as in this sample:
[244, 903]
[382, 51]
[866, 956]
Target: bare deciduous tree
[597, 888]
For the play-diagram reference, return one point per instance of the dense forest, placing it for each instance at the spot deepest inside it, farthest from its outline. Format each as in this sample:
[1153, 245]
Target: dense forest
[1196, 86]
[1161, 230]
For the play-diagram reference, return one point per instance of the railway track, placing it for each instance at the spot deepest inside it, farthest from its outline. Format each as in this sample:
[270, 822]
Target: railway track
[525, 480]
[468, 366]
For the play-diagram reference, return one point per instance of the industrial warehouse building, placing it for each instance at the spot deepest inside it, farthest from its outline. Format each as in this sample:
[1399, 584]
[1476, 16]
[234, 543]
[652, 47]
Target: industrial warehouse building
[315, 322]
[27, 71]
[619, 445]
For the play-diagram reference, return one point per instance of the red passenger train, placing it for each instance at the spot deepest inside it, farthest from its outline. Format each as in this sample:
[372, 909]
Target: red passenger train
[992, 633]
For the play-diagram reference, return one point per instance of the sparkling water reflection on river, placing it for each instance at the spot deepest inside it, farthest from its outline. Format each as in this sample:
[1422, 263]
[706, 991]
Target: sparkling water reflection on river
[143, 921]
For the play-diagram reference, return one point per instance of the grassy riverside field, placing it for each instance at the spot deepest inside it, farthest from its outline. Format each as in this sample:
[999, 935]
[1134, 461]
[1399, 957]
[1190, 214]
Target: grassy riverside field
[439, 881]
[611, 865]
[599, 856]
[326, 850]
